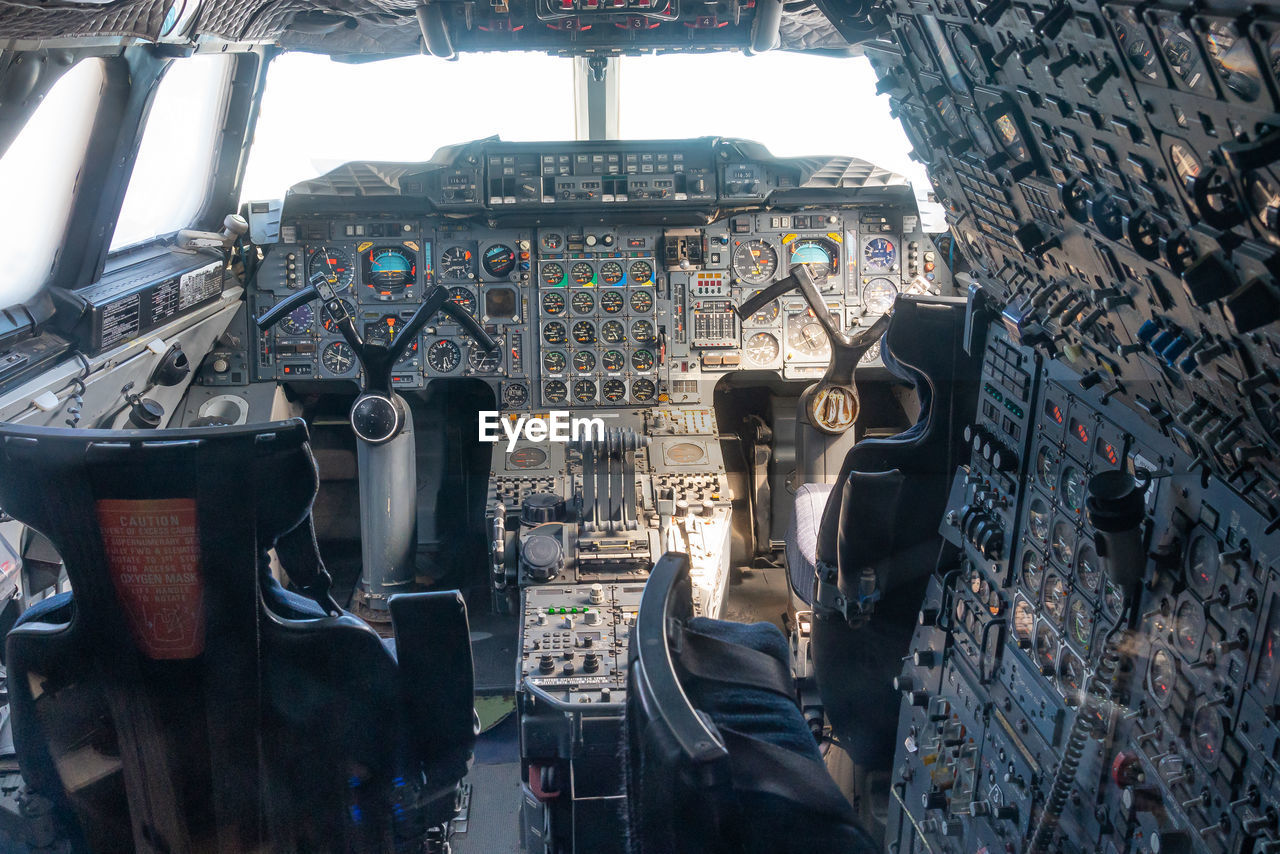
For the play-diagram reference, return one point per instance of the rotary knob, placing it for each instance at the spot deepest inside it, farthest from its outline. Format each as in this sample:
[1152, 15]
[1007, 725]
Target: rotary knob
[542, 507]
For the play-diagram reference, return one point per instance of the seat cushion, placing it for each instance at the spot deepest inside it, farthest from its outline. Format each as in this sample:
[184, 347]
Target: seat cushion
[52, 609]
[802, 539]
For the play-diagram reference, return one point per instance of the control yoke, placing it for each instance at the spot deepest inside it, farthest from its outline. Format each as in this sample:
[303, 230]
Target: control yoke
[832, 403]
[378, 359]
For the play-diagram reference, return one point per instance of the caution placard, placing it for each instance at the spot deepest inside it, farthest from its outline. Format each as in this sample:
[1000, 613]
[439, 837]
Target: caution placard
[153, 554]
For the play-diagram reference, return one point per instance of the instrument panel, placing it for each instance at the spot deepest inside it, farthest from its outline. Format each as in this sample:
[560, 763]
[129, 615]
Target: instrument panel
[590, 314]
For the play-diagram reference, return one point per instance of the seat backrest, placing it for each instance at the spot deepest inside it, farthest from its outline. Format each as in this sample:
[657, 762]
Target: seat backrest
[718, 756]
[165, 706]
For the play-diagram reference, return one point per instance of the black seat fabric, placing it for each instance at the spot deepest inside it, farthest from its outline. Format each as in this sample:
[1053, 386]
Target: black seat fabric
[768, 791]
[179, 699]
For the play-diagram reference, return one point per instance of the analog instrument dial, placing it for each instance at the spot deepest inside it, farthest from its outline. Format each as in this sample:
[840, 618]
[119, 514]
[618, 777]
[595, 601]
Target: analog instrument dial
[611, 272]
[1188, 627]
[584, 332]
[1054, 597]
[555, 392]
[552, 241]
[806, 337]
[878, 296]
[1181, 53]
[1038, 514]
[641, 301]
[333, 266]
[755, 262]
[642, 331]
[611, 302]
[613, 361]
[1162, 676]
[1207, 733]
[1062, 544]
[762, 348]
[554, 361]
[1073, 488]
[483, 361]
[766, 315]
[582, 274]
[388, 269]
[879, 255]
[818, 254]
[499, 260]
[1087, 571]
[515, 396]
[1233, 58]
[614, 390]
[552, 275]
[612, 332]
[1202, 565]
[555, 333]
[552, 302]
[1047, 468]
[298, 321]
[642, 360]
[464, 299]
[1032, 571]
[443, 356]
[641, 273]
[1024, 621]
[583, 302]
[330, 325]
[584, 391]
[458, 263]
[584, 361]
[643, 390]
[338, 358]
[1080, 624]
[1046, 645]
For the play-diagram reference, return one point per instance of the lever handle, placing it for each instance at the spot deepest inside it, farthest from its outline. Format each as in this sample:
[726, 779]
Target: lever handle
[283, 308]
[435, 300]
[469, 323]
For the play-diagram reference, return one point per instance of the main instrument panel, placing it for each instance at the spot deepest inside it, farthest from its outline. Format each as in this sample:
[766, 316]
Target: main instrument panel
[591, 311]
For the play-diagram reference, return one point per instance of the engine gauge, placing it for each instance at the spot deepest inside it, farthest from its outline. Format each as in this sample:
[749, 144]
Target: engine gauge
[582, 274]
[464, 299]
[1180, 52]
[1032, 575]
[552, 275]
[613, 361]
[1188, 626]
[1112, 599]
[641, 301]
[298, 321]
[515, 396]
[1080, 624]
[338, 358]
[1074, 488]
[1233, 58]
[762, 349]
[584, 391]
[1047, 468]
[1071, 676]
[641, 273]
[755, 262]
[613, 332]
[552, 241]
[584, 361]
[388, 269]
[1038, 519]
[642, 331]
[457, 262]
[443, 356]
[1087, 572]
[643, 390]
[613, 390]
[642, 360]
[968, 54]
[611, 272]
[333, 266]
[1162, 676]
[879, 255]
[1207, 733]
[611, 302]
[555, 333]
[1046, 645]
[554, 361]
[818, 254]
[1054, 597]
[582, 302]
[878, 296]
[331, 325]
[1264, 674]
[483, 361]
[1202, 564]
[555, 392]
[1062, 543]
[499, 260]
[552, 302]
[584, 332]
[1132, 36]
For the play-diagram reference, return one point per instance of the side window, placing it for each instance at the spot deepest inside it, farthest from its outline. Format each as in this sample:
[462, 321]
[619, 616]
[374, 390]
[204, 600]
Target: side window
[38, 175]
[175, 159]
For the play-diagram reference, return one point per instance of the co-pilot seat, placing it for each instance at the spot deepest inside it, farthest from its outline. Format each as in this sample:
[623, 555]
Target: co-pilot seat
[178, 699]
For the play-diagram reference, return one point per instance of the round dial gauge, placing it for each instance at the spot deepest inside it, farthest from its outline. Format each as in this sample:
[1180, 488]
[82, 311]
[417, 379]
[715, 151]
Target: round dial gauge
[1233, 57]
[1054, 598]
[611, 302]
[333, 266]
[383, 331]
[483, 361]
[641, 331]
[1186, 165]
[1073, 488]
[554, 361]
[643, 390]
[1112, 599]
[612, 332]
[642, 360]
[762, 348]
[555, 392]
[806, 336]
[641, 273]
[755, 261]
[1047, 468]
[1062, 544]
[1207, 734]
[818, 254]
[298, 321]
[1080, 624]
[1087, 572]
[879, 255]
[1038, 514]
[554, 333]
[527, 457]
[1202, 565]
[582, 274]
[1188, 626]
[552, 274]
[1162, 676]
[613, 361]
[766, 315]
[464, 298]
[967, 52]
[1032, 571]
[443, 356]
[584, 391]
[584, 361]
[584, 332]
[872, 355]
[338, 358]
[551, 241]
[582, 302]
[1134, 43]
[514, 396]
[1071, 677]
[613, 390]
[499, 260]
[611, 272]
[389, 269]
[878, 296]
[1024, 621]
[330, 325]
[1180, 52]
[1264, 200]
[1046, 649]
[552, 302]
[457, 262]
[641, 301]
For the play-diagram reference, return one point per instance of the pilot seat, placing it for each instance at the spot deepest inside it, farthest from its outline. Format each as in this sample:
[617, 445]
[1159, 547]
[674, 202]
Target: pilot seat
[178, 698]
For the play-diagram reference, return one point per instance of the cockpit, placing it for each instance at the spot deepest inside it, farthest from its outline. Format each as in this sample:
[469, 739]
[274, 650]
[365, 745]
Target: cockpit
[638, 426]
